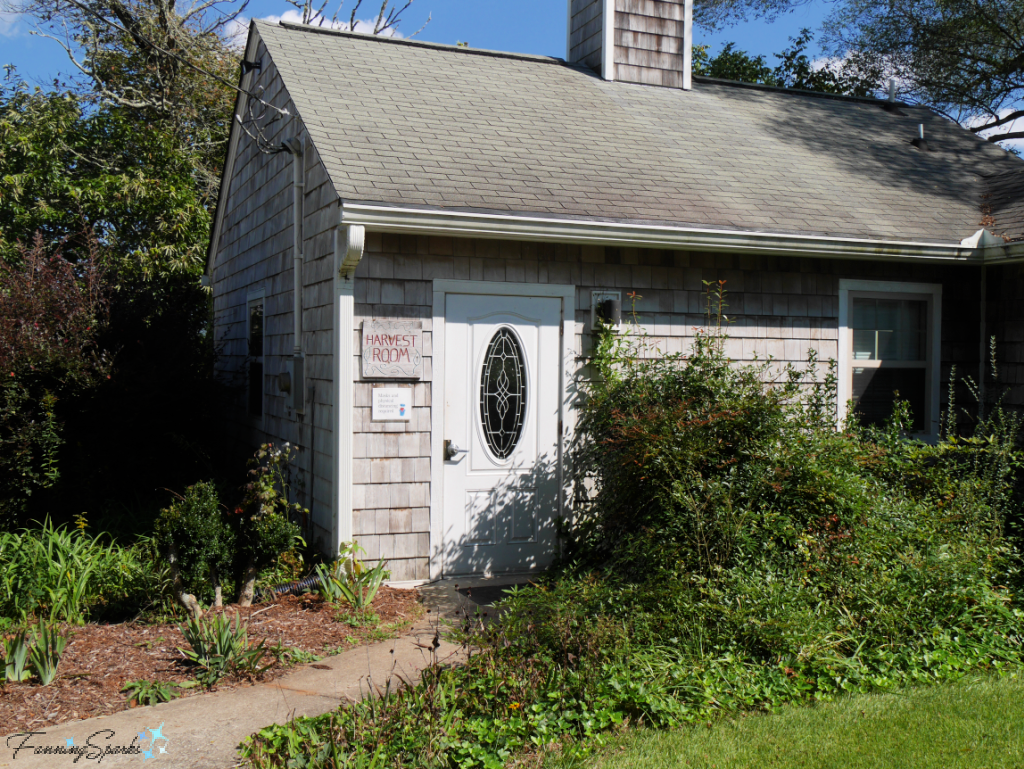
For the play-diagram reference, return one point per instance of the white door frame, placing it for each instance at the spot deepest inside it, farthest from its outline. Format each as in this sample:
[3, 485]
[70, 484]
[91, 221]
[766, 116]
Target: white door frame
[566, 416]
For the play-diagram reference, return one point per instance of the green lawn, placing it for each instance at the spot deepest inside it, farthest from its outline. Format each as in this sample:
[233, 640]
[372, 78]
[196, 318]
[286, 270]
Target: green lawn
[978, 722]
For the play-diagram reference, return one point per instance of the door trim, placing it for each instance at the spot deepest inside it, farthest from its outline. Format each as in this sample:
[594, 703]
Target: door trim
[567, 293]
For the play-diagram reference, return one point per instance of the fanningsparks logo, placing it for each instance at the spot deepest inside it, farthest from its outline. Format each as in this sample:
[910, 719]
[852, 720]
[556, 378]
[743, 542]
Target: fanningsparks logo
[95, 747]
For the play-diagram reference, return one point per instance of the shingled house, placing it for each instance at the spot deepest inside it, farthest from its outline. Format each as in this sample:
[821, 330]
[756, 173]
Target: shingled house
[412, 241]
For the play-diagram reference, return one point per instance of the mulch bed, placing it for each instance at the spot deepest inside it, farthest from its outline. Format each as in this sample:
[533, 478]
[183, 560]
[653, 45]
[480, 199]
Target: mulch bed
[100, 659]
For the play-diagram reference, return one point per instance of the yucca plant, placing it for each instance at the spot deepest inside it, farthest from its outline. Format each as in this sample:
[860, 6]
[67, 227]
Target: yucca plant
[16, 655]
[220, 648]
[46, 652]
[146, 692]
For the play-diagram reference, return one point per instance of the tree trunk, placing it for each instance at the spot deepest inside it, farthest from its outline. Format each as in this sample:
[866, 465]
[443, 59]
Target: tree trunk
[247, 585]
[187, 600]
[218, 592]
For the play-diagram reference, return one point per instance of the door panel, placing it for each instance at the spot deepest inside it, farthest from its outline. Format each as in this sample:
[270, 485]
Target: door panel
[501, 412]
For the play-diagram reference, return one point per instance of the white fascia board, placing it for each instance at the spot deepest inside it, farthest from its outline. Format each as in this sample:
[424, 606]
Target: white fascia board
[388, 218]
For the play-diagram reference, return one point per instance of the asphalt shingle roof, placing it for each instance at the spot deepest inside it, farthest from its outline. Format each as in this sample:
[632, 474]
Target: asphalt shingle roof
[424, 125]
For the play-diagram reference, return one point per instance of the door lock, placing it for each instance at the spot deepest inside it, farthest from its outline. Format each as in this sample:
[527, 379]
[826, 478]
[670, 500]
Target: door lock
[451, 451]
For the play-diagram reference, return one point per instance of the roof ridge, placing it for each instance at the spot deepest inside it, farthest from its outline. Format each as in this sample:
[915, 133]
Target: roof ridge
[803, 92]
[311, 28]
[420, 44]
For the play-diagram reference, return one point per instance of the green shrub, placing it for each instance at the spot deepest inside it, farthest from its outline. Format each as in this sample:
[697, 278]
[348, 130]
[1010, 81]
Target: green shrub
[17, 649]
[350, 580]
[731, 550]
[262, 521]
[197, 542]
[46, 653]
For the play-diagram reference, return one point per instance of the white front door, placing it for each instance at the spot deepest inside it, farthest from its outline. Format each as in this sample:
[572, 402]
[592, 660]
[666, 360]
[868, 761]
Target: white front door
[501, 432]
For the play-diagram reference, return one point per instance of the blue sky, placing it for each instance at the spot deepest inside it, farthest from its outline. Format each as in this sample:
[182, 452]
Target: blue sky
[524, 26]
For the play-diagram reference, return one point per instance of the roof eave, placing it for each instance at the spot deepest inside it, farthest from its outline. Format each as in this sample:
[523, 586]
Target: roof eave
[382, 217]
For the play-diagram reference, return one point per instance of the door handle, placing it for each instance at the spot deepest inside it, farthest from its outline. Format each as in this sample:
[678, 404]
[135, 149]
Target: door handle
[451, 450]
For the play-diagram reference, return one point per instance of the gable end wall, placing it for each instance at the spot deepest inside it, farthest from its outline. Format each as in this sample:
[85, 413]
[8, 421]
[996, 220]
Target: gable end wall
[255, 251]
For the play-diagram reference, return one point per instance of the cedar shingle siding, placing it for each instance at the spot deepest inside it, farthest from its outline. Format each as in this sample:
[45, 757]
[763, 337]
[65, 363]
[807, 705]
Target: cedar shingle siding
[406, 124]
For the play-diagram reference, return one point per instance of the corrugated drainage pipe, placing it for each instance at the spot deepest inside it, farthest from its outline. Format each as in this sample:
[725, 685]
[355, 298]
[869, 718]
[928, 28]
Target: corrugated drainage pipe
[289, 587]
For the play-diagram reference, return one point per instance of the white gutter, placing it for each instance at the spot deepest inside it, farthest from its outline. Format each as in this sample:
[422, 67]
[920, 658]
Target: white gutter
[431, 221]
[1005, 253]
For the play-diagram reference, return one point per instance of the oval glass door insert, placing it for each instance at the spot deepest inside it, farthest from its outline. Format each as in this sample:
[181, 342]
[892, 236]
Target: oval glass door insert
[503, 393]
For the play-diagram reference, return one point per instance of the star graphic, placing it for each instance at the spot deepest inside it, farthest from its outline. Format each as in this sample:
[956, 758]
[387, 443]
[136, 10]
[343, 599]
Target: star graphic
[70, 742]
[147, 754]
[163, 749]
[157, 734]
[142, 736]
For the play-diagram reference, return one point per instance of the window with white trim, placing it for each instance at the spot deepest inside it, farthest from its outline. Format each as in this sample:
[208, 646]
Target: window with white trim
[889, 342]
[255, 339]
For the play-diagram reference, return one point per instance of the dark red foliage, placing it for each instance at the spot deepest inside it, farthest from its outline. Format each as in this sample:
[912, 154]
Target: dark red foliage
[50, 309]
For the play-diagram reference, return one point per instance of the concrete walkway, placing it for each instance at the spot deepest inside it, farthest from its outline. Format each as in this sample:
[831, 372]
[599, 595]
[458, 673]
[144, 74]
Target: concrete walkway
[203, 732]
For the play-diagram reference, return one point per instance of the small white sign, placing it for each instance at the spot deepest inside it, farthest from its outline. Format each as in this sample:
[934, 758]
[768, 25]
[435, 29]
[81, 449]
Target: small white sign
[391, 404]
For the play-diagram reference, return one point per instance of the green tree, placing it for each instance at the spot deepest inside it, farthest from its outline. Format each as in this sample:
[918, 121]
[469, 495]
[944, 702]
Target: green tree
[796, 70]
[68, 169]
[962, 57]
[263, 520]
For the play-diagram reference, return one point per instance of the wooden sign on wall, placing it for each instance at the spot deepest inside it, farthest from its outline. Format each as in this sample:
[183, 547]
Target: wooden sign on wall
[392, 349]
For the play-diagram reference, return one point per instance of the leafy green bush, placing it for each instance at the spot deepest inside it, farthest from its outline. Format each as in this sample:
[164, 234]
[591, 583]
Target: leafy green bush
[67, 575]
[197, 542]
[263, 521]
[17, 649]
[731, 550]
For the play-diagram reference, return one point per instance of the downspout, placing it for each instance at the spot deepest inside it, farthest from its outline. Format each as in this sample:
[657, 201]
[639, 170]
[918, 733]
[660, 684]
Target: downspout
[296, 391]
[982, 342]
[294, 147]
[349, 241]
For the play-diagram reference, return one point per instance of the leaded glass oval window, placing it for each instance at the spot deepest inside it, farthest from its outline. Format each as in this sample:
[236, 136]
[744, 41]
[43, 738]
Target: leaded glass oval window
[503, 393]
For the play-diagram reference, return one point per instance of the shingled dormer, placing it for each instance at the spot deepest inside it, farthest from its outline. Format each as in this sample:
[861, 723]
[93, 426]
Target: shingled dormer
[633, 41]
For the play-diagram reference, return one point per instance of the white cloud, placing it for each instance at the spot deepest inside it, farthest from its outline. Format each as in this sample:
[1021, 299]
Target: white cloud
[9, 24]
[363, 26]
[236, 31]
[831, 63]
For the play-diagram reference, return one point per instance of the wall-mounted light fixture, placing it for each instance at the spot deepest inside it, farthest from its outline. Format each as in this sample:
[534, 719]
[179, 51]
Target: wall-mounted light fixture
[606, 308]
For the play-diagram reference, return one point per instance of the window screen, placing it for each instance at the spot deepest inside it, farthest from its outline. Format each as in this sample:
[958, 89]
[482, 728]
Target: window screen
[255, 336]
[890, 355]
